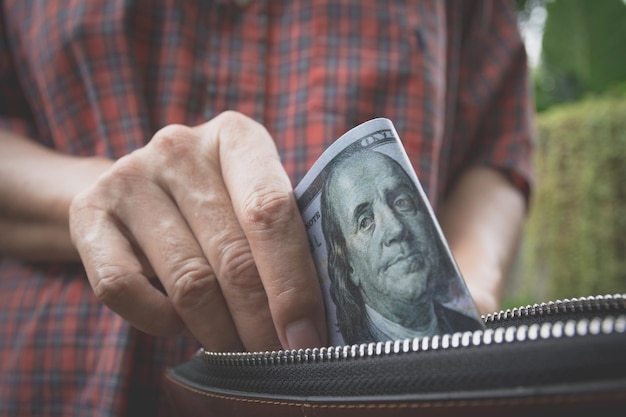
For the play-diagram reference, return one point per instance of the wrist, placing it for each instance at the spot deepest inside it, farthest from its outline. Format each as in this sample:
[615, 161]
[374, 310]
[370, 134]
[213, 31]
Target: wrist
[38, 185]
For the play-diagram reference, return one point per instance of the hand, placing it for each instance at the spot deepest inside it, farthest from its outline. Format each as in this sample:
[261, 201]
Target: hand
[211, 212]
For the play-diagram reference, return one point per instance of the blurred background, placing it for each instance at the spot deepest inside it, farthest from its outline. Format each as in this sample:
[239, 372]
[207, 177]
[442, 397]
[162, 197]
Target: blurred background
[574, 243]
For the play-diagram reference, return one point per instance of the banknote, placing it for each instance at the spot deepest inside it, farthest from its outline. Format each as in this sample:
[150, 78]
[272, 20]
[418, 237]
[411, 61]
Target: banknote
[383, 263]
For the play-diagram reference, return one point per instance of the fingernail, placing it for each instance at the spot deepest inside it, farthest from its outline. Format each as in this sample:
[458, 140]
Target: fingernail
[302, 334]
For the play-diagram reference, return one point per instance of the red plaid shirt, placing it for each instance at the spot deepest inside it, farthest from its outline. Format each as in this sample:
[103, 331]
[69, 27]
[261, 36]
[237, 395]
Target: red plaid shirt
[99, 77]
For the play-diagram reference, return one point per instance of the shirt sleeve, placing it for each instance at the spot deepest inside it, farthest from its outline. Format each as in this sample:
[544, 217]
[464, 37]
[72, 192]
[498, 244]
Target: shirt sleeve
[494, 123]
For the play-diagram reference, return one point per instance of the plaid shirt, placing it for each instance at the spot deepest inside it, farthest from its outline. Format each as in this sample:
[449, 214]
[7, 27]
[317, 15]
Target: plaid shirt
[99, 77]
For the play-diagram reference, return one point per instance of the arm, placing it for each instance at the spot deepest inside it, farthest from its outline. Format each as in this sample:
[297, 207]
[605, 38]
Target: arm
[211, 210]
[37, 185]
[483, 211]
[482, 220]
[208, 210]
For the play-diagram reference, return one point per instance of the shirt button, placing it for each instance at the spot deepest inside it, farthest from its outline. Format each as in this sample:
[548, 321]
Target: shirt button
[242, 3]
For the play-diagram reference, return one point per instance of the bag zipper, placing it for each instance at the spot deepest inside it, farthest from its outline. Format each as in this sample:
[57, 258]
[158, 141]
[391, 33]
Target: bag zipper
[583, 316]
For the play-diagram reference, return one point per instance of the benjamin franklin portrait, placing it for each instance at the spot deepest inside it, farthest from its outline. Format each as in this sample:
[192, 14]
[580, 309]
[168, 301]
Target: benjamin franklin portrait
[386, 262]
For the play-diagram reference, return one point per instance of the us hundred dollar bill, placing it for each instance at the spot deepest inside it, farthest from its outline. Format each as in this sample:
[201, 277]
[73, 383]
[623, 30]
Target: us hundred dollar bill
[383, 263]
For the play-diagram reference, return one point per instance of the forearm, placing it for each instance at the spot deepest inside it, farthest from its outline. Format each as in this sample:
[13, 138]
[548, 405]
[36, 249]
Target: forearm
[37, 185]
[482, 219]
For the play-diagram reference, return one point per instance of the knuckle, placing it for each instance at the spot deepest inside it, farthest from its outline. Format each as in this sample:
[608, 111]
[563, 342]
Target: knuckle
[174, 141]
[193, 283]
[285, 293]
[120, 178]
[111, 285]
[80, 202]
[237, 268]
[172, 134]
[127, 175]
[268, 209]
[236, 127]
[234, 118]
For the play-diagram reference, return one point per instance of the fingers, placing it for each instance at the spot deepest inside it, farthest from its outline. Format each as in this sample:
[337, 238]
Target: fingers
[213, 213]
[178, 260]
[136, 204]
[116, 274]
[254, 268]
[200, 195]
[266, 209]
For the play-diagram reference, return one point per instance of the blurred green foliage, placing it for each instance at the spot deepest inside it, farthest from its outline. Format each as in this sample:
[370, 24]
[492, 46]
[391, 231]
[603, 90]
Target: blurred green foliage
[575, 240]
[583, 50]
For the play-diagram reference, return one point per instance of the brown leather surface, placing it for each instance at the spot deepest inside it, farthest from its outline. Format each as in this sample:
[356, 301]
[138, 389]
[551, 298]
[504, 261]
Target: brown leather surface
[189, 402]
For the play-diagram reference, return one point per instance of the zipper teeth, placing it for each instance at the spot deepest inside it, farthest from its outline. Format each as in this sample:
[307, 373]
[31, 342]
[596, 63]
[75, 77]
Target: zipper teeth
[501, 335]
[582, 304]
